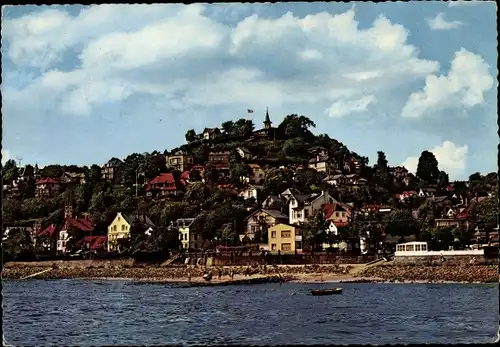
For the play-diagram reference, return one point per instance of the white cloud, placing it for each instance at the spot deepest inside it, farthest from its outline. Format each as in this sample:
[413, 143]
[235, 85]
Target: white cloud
[343, 108]
[464, 87]
[461, 2]
[451, 158]
[5, 156]
[439, 23]
[171, 50]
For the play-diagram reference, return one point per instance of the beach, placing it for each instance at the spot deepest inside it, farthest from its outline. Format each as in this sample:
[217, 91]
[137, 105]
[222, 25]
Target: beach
[130, 270]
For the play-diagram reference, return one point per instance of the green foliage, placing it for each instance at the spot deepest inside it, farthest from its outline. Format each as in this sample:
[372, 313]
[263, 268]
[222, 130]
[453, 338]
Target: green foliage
[401, 223]
[190, 135]
[18, 244]
[485, 213]
[443, 179]
[296, 126]
[427, 168]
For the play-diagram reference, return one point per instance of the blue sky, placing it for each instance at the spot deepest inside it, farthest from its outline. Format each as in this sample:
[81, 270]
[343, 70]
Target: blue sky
[84, 84]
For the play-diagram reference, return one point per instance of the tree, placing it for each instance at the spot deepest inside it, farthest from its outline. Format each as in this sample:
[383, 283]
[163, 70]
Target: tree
[194, 176]
[295, 147]
[19, 244]
[382, 176]
[10, 171]
[401, 223]
[443, 179]
[314, 229]
[296, 126]
[190, 135]
[485, 213]
[54, 171]
[427, 168]
[211, 174]
[228, 126]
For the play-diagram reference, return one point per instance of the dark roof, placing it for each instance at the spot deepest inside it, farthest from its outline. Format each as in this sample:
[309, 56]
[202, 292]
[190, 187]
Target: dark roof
[139, 218]
[84, 224]
[50, 231]
[114, 162]
[272, 213]
[267, 120]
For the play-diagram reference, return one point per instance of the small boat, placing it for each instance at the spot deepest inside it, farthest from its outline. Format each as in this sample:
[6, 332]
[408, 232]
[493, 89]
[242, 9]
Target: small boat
[330, 291]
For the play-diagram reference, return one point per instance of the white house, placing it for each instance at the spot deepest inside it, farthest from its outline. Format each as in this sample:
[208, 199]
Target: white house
[252, 191]
[303, 207]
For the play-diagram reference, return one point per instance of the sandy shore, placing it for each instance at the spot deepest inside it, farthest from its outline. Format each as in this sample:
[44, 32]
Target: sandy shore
[295, 273]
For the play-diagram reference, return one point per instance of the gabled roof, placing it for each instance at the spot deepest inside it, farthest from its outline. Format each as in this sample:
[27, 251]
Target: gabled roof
[273, 213]
[164, 178]
[114, 162]
[94, 241]
[211, 130]
[50, 231]
[48, 181]
[138, 218]
[84, 224]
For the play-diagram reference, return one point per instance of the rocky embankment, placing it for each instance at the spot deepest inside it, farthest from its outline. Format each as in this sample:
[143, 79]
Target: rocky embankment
[399, 273]
[130, 270]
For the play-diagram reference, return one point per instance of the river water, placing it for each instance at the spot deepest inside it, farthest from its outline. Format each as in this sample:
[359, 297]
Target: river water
[94, 313]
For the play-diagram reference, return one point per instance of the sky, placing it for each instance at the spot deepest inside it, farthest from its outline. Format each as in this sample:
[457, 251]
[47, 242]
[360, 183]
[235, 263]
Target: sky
[82, 84]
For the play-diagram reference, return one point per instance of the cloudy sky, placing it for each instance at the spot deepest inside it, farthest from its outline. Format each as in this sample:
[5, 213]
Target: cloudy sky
[84, 84]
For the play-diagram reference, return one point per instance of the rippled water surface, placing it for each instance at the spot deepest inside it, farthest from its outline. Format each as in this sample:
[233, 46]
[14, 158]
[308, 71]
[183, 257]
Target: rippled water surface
[84, 313]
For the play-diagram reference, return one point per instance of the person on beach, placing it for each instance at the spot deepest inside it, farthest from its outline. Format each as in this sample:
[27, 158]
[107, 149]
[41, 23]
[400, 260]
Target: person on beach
[189, 277]
[231, 274]
[219, 273]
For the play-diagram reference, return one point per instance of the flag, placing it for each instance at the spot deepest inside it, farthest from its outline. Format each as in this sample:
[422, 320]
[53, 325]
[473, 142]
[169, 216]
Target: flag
[250, 111]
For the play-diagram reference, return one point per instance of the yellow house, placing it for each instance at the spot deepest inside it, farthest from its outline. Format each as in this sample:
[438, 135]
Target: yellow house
[121, 225]
[285, 238]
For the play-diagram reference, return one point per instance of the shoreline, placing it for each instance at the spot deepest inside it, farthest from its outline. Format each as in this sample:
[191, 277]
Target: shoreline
[306, 274]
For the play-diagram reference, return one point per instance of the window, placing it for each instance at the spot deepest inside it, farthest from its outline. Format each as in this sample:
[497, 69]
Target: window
[285, 234]
[343, 214]
[114, 228]
[119, 219]
[273, 234]
[286, 246]
[417, 247]
[273, 247]
[337, 214]
[306, 213]
[123, 227]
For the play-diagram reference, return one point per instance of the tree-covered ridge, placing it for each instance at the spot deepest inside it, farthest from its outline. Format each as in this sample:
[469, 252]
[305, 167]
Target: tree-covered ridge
[209, 194]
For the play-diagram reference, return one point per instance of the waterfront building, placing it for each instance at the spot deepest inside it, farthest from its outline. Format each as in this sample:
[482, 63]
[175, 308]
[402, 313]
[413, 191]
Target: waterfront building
[122, 227]
[189, 239]
[260, 219]
[285, 238]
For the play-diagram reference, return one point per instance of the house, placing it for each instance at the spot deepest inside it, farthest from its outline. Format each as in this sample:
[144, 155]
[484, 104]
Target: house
[46, 239]
[251, 191]
[302, 207]
[162, 185]
[285, 238]
[211, 133]
[372, 208]
[406, 195]
[271, 201]
[323, 163]
[96, 243]
[260, 219]
[123, 226]
[189, 239]
[179, 161]
[47, 187]
[424, 192]
[336, 180]
[257, 175]
[73, 178]
[74, 229]
[219, 159]
[351, 164]
[460, 219]
[398, 172]
[339, 214]
[244, 153]
[109, 171]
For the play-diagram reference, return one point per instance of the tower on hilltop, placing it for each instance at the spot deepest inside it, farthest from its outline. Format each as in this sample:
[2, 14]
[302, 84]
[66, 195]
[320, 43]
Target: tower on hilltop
[267, 121]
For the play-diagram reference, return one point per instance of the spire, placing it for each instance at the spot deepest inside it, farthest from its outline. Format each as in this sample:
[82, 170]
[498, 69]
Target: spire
[267, 121]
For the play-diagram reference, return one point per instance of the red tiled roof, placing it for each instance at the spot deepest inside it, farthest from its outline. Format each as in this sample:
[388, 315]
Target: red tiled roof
[163, 178]
[328, 209]
[48, 181]
[185, 175]
[80, 223]
[48, 232]
[94, 241]
[463, 214]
